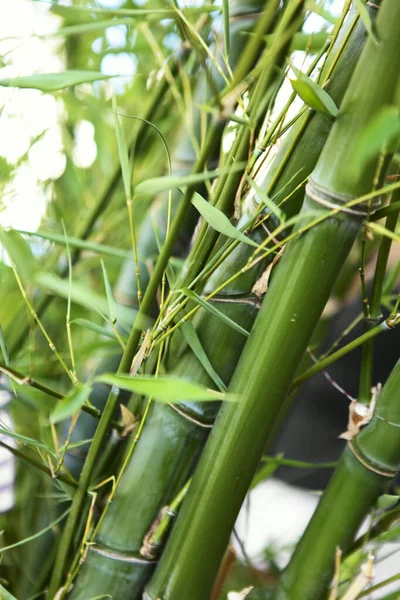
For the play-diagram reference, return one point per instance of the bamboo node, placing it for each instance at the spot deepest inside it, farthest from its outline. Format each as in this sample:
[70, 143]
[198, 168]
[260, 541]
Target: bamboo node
[335, 201]
[368, 465]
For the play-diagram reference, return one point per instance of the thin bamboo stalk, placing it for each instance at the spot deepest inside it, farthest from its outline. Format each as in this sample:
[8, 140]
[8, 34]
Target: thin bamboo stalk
[367, 464]
[297, 295]
[374, 308]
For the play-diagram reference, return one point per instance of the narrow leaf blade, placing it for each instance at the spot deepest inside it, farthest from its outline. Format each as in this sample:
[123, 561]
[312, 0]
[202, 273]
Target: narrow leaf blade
[72, 402]
[190, 335]
[219, 221]
[164, 389]
[156, 185]
[208, 306]
[52, 82]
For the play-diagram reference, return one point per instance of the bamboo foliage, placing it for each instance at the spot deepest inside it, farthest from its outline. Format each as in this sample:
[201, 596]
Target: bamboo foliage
[140, 497]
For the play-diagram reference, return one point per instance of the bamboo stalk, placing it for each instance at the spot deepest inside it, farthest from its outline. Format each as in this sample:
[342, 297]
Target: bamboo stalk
[367, 464]
[293, 305]
[374, 309]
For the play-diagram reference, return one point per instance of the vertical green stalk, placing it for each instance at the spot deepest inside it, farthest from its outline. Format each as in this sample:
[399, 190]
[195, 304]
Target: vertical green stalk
[375, 313]
[298, 293]
[369, 461]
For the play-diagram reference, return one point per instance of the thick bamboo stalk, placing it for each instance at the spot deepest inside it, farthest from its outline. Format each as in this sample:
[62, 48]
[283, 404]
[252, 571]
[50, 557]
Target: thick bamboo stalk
[297, 295]
[370, 460]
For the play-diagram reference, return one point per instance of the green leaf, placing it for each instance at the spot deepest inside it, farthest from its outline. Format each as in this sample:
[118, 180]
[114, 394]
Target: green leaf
[366, 19]
[319, 9]
[380, 230]
[5, 595]
[52, 82]
[83, 28]
[23, 439]
[211, 308]
[87, 298]
[190, 335]
[155, 185]
[312, 93]
[380, 133]
[57, 238]
[19, 253]
[3, 346]
[163, 389]
[123, 153]
[270, 204]
[314, 96]
[264, 473]
[219, 221]
[34, 537]
[386, 501]
[86, 324]
[112, 310]
[304, 41]
[71, 403]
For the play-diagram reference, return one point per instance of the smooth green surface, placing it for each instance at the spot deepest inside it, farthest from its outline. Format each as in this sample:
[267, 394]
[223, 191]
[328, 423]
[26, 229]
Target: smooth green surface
[270, 358]
[352, 491]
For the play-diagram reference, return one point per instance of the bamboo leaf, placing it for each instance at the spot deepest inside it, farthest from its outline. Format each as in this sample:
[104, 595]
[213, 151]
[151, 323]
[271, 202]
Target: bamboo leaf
[23, 439]
[4, 348]
[270, 204]
[35, 536]
[190, 335]
[94, 327]
[5, 595]
[386, 501]
[304, 41]
[52, 82]
[211, 308]
[112, 310]
[380, 230]
[264, 473]
[77, 243]
[71, 403]
[19, 253]
[381, 133]
[366, 19]
[164, 389]
[83, 28]
[312, 93]
[86, 297]
[155, 185]
[219, 221]
[123, 152]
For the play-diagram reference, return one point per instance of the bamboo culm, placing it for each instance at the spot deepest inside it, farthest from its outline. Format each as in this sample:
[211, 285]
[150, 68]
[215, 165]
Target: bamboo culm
[294, 302]
[367, 464]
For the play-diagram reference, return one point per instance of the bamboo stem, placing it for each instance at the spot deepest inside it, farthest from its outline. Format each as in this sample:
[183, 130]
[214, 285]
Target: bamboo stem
[368, 462]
